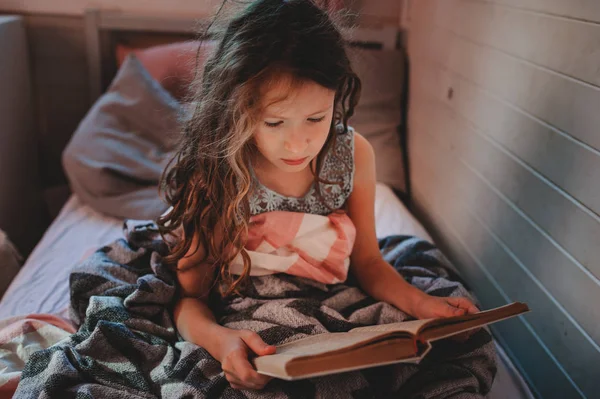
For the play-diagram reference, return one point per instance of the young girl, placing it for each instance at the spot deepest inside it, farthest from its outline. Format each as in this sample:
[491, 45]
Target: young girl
[270, 132]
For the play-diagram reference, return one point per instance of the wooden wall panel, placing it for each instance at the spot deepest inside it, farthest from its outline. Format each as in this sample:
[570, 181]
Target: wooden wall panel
[59, 70]
[505, 166]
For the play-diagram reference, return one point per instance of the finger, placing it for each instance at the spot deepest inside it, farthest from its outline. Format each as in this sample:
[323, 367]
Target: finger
[448, 310]
[473, 309]
[257, 345]
[246, 373]
[231, 369]
[233, 379]
[454, 311]
[442, 309]
[244, 370]
[264, 379]
[463, 303]
[237, 383]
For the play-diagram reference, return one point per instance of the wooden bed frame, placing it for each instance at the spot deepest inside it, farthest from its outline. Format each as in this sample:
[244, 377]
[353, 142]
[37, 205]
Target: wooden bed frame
[104, 28]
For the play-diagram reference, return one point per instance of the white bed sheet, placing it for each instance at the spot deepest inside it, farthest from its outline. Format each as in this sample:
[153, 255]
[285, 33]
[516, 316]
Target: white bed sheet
[42, 285]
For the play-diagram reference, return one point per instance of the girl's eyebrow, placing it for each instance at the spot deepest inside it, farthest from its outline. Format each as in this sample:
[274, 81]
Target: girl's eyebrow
[267, 114]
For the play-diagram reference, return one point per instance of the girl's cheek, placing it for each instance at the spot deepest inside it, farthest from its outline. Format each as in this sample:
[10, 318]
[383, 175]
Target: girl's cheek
[323, 137]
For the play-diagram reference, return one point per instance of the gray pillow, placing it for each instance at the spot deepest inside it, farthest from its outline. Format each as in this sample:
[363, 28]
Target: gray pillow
[379, 112]
[119, 150]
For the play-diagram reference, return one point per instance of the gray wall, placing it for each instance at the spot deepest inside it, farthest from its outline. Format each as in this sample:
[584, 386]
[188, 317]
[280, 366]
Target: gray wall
[505, 165]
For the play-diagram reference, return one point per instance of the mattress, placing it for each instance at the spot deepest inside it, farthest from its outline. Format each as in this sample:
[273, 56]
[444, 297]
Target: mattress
[42, 285]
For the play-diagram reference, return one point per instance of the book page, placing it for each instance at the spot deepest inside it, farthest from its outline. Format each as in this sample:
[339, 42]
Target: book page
[412, 327]
[442, 328]
[434, 328]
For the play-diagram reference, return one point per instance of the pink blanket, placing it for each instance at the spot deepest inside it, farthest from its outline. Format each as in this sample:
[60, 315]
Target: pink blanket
[312, 246]
[21, 336]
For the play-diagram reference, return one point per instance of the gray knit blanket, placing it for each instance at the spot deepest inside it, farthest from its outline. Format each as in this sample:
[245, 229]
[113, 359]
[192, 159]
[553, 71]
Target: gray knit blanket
[127, 345]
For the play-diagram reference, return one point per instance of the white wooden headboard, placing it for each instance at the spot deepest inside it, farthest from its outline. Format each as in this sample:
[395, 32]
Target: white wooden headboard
[104, 27]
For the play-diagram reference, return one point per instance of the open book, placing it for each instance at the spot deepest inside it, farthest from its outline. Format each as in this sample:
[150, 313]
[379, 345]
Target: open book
[372, 346]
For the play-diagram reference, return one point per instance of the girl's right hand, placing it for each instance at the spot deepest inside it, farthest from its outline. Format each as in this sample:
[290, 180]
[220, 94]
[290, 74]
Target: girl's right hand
[235, 347]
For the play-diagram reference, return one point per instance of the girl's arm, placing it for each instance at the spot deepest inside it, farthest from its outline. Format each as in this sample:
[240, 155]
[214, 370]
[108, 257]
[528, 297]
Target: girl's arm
[193, 318]
[375, 276]
[196, 323]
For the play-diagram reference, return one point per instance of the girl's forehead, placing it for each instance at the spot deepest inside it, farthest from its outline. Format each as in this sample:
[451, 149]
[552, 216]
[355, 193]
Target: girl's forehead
[284, 92]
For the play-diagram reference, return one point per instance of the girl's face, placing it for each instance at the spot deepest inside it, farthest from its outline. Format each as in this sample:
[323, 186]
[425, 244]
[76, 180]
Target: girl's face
[294, 124]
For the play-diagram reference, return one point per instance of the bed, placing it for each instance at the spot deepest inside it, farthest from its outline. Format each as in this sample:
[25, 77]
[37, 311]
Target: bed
[42, 285]
[86, 223]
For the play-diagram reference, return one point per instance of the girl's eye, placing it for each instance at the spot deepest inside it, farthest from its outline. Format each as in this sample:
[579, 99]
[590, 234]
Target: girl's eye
[316, 120]
[273, 124]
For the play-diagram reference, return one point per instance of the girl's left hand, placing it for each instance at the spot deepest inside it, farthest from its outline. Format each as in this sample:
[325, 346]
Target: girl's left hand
[429, 307]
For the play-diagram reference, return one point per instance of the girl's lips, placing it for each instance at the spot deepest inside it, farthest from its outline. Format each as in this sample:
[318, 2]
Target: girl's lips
[294, 161]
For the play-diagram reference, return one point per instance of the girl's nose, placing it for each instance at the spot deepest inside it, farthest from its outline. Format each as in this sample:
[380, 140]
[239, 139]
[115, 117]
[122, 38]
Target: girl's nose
[295, 143]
